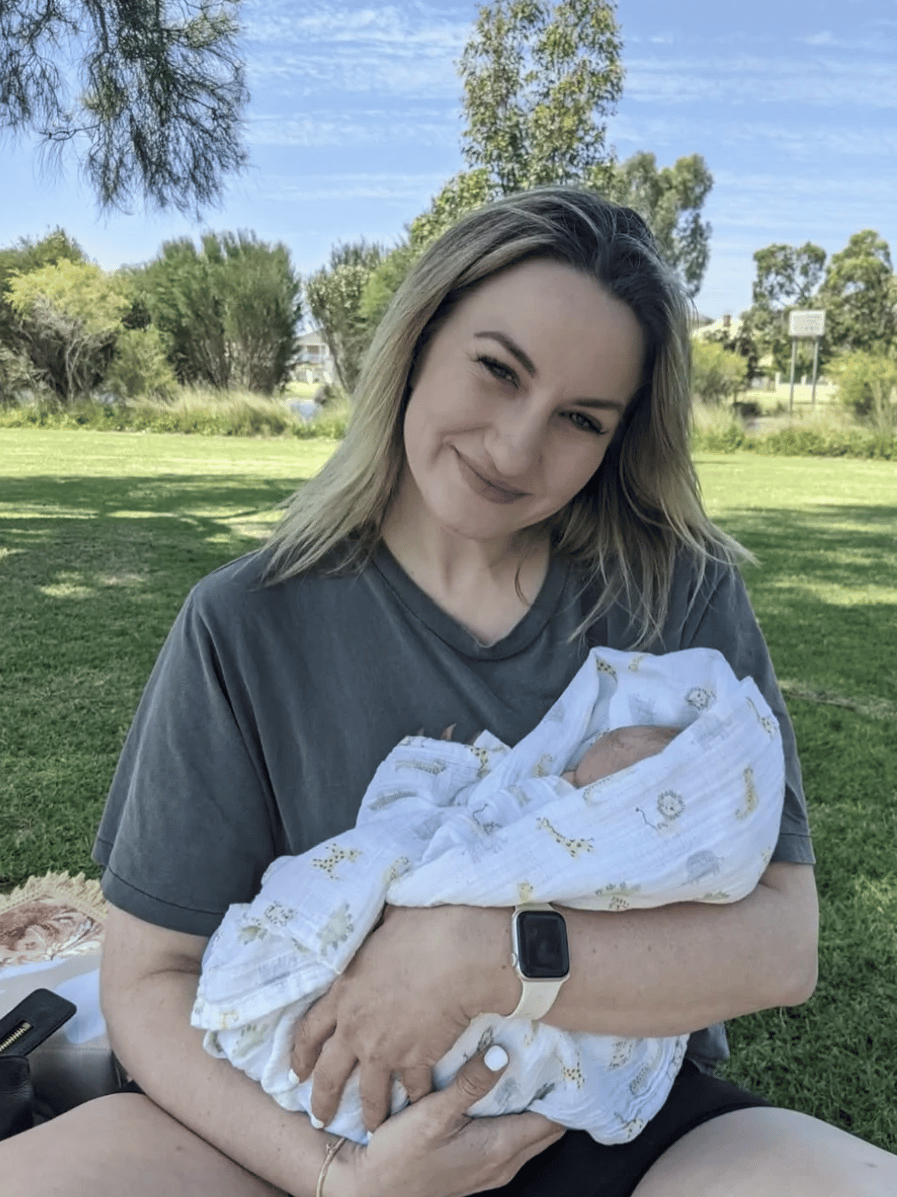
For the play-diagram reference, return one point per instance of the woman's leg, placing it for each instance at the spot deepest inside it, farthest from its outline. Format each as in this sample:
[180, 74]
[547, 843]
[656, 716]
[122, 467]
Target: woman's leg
[768, 1152]
[120, 1145]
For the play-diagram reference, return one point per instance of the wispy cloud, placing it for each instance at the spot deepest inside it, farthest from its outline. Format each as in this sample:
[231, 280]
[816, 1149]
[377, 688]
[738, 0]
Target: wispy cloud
[390, 50]
[361, 128]
[758, 81]
[399, 188]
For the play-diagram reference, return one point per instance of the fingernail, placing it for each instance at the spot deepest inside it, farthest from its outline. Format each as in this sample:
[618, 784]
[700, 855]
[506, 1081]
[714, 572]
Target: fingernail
[292, 1078]
[316, 1122]
[367, 1137]
[495, 1058]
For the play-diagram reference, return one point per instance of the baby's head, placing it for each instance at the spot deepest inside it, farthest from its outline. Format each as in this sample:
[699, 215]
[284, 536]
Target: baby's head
[618, 749]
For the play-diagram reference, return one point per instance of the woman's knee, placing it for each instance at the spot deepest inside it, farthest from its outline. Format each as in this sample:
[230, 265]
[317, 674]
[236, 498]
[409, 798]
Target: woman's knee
[122, 1144]
[766, 1152]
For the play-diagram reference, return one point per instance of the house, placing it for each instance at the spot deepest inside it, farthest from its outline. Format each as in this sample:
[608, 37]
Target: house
[315, 361]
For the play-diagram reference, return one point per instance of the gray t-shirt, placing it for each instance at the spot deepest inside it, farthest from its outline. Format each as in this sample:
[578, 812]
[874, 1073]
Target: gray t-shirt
[270, 707]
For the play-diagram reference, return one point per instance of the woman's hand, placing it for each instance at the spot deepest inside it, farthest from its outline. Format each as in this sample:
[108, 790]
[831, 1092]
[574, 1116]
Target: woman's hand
[432, 1149]
[407, 996]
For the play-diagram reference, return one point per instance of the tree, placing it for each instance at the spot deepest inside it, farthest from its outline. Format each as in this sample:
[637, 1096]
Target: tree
[859, 295]
[539, 81]
[228, 310]
[71, 314]
[787, 277]
[335, 297]
[716, 373]
[157, 107]
[670, 200]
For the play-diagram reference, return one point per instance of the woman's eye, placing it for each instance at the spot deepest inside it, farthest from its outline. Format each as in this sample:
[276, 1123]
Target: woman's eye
[499, 370]
[586, 423]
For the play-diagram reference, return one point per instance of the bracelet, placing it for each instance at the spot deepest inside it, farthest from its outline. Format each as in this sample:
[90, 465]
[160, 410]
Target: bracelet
[332, 1149]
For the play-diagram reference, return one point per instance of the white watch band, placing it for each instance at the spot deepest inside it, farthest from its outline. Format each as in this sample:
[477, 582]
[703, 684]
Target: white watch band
[537, 996]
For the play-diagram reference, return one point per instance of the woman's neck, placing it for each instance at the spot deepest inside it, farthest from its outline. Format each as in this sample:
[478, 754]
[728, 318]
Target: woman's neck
[485, 587]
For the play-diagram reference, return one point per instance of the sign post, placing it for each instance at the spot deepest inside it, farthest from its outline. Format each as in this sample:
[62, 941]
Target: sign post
[805, 326]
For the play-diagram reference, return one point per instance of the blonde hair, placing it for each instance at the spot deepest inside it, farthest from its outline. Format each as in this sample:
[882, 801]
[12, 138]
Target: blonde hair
[625, 528]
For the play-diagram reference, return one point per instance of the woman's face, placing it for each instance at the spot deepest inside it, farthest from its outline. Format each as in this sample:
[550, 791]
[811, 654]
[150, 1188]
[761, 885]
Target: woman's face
[516, 400]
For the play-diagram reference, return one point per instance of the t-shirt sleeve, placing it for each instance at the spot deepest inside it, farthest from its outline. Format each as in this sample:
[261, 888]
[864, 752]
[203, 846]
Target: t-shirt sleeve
[722, 618]
[188, 826]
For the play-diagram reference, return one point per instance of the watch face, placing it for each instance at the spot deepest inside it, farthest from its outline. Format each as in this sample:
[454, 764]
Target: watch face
[542, 944]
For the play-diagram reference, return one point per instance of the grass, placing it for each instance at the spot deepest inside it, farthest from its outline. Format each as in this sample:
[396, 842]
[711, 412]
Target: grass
[102, 535]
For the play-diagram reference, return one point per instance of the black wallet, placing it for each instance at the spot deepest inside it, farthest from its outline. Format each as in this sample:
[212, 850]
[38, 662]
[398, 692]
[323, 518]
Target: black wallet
[32, 1021]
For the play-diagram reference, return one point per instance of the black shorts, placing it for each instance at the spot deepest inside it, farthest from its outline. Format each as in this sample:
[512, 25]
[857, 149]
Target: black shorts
[577, 1166]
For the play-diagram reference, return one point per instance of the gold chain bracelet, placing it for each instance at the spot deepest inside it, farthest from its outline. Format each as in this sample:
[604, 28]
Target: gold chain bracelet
[332, 1149]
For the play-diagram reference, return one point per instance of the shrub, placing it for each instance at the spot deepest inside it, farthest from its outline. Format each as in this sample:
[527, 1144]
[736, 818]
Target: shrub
[867, 386]
[716, 373]
[139, 367]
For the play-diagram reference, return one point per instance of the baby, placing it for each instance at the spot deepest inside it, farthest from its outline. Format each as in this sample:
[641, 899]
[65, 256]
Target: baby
[631, 823]
[618, 749]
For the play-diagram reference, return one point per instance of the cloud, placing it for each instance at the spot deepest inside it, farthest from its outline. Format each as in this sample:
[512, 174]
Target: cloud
[758, 81]
[360, 128]
[390, 50]
[397, 188]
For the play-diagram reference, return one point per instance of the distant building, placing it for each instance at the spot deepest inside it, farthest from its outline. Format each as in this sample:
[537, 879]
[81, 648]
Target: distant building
[315, 362]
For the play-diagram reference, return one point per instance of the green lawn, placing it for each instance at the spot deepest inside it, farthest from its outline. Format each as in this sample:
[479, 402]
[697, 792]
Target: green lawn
[102, 535]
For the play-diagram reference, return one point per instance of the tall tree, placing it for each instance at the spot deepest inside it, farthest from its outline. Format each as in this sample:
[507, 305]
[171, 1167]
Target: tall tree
[787, 277]
[228, 309]
[539, 82]
[151, 96]
[670, 199]
[335, 298]
[860, 296]
[71, 314]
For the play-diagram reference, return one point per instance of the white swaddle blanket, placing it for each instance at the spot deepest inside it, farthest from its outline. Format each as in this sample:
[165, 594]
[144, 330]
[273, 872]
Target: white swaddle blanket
[486, 825]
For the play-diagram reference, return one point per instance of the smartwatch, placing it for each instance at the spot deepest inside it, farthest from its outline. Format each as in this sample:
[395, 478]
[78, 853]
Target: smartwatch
[540, 956]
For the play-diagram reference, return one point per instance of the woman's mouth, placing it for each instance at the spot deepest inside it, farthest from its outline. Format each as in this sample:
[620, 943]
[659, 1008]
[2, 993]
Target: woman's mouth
[488, 488]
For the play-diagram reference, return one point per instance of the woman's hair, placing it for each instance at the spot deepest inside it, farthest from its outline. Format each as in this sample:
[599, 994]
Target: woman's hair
[642, 507]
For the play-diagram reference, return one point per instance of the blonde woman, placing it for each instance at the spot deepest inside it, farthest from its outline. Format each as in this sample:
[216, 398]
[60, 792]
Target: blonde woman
[514, 487]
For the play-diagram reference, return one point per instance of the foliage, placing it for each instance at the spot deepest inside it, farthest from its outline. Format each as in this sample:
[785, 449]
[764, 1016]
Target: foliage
[867, 385]
[228, 310]
[716, 373]
[23, 257]
[787, 277]
[670, 200]
[140, 367]
[463, 193]
[539, 81]
[151, 96]
[17, 376]
[335, 297]
[70, 317]
[859, 294]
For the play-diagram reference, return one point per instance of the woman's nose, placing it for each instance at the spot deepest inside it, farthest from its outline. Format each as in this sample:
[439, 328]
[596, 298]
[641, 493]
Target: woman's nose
[515, 441]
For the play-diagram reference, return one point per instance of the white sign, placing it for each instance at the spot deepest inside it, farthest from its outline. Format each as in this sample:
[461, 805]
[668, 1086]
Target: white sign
[806, 324]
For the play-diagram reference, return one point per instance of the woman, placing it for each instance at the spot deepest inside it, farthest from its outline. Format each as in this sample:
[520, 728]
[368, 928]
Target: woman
[514, 487]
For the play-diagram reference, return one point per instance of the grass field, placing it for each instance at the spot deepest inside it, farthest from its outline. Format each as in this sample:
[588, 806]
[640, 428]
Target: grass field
[102, 535]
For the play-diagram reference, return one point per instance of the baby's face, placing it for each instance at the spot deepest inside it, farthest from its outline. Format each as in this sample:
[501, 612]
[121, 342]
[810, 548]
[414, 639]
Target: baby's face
[618, 749]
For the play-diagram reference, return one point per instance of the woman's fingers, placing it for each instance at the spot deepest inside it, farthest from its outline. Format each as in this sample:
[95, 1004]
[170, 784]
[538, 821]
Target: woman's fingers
[472, 1081]
[332, 1070]
[311, 1032]
[417, 1081]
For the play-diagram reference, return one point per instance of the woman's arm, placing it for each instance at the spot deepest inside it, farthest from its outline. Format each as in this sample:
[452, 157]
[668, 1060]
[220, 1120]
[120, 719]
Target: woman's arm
[675, 969]
[432, 1150]
[635, 973]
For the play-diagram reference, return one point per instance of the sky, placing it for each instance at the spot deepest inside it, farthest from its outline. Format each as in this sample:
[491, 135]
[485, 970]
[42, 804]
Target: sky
[355, 119]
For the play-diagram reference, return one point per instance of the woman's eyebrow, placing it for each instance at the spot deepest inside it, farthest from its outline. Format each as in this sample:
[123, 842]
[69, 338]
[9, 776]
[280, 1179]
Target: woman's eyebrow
[512, 348]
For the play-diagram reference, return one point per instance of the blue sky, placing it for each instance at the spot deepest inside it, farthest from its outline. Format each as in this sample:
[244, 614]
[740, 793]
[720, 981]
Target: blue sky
[354, 123]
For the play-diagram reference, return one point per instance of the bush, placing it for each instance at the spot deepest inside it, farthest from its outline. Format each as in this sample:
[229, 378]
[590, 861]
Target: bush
[716, 373]
[867, 386]
[139, 367]
[717, 430]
